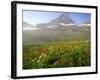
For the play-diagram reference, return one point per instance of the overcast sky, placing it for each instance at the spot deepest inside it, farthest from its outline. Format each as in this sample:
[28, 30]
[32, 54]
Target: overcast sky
[35, 17]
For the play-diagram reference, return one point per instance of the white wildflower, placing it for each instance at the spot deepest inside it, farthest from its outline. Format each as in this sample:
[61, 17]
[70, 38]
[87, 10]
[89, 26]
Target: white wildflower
[33, 60]
[38, 60]
[44, 55]
[40, 56]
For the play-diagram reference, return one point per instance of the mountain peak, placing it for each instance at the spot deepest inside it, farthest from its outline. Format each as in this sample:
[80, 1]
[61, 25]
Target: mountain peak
[63, 18]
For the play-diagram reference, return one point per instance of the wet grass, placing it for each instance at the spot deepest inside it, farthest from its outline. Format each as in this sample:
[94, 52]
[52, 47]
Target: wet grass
[56, 54]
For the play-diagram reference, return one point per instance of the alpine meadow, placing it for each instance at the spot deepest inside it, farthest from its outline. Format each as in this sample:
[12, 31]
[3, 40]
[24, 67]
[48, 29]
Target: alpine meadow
[56, 39]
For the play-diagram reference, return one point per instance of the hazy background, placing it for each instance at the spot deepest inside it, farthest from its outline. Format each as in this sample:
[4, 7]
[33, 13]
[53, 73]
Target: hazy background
[43, 26]
[35, 17]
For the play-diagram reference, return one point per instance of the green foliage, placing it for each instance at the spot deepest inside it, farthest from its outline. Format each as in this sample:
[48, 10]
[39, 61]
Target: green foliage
[57, 54]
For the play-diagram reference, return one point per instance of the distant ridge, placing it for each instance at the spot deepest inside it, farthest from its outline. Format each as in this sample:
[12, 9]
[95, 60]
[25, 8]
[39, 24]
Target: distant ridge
[64, 18]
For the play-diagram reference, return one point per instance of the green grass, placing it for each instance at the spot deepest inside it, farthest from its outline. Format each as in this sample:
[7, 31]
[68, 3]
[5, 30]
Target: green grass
[56, 54]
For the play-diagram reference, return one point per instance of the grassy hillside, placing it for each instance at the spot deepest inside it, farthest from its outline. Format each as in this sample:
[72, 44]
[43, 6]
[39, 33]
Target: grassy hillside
[56, 54]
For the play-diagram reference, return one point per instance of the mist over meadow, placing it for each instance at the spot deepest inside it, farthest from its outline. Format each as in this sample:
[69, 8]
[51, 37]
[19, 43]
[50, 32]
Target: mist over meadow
[61, 28]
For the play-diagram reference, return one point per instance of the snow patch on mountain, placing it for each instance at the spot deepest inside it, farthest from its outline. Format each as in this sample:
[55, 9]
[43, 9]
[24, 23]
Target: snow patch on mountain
[52, 26]
[69, 24]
